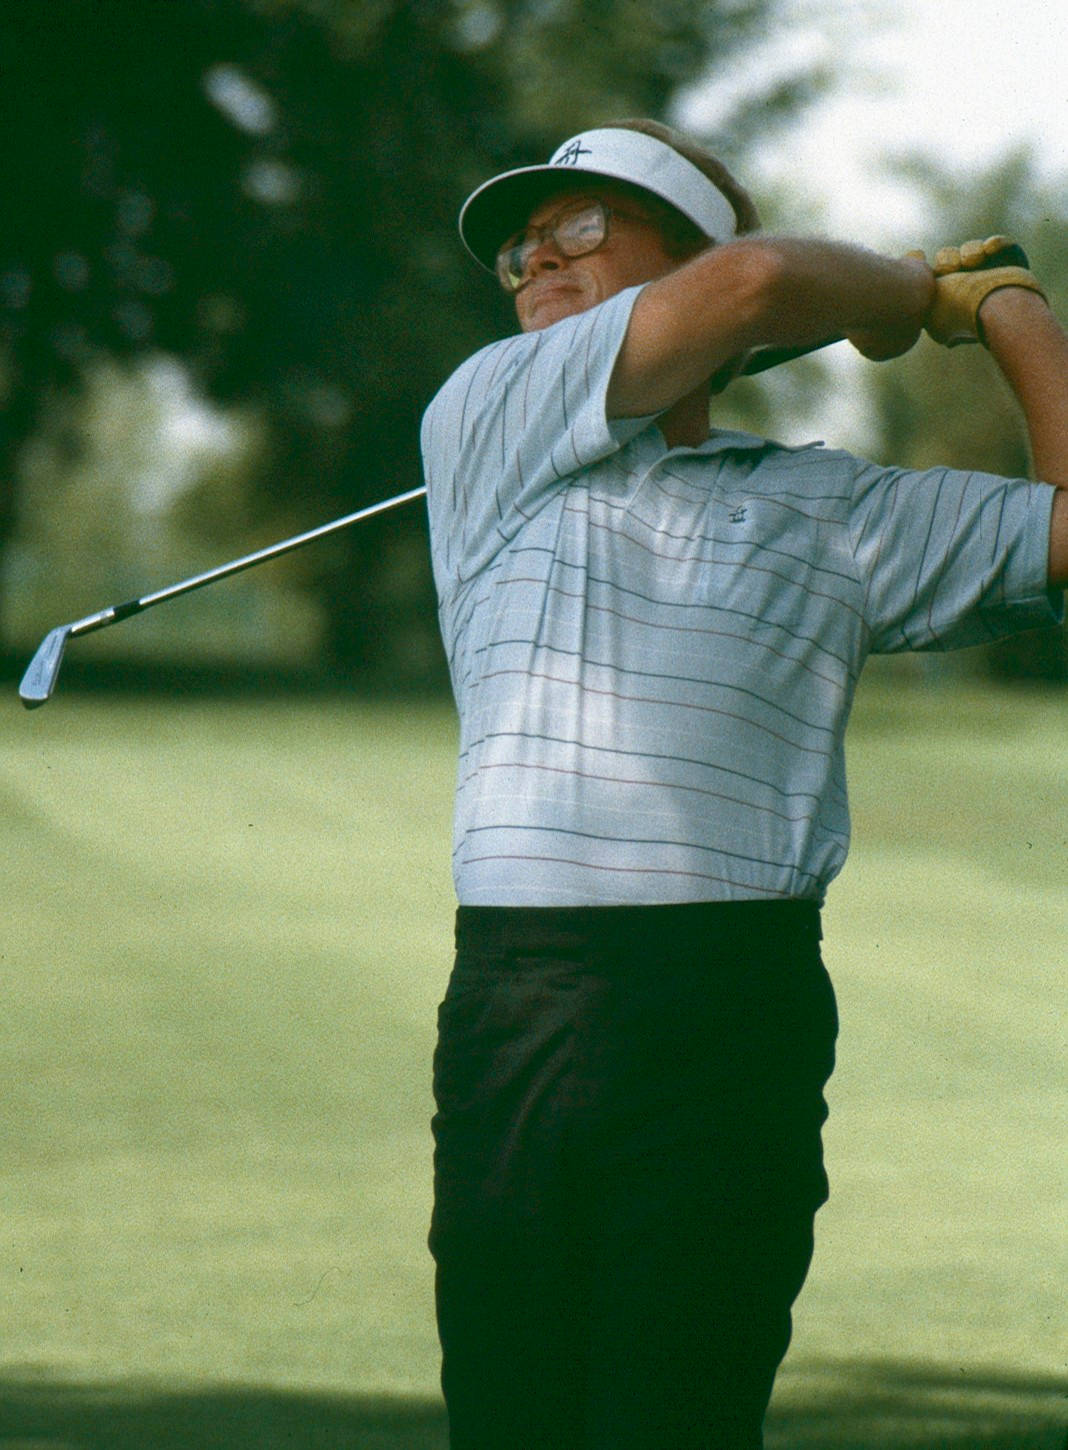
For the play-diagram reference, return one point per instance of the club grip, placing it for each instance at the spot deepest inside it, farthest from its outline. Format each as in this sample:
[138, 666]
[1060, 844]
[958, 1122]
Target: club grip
[1010, 255]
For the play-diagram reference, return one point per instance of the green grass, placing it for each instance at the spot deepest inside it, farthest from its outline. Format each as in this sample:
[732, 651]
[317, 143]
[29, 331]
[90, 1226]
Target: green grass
[945, 1238]
[227, 929]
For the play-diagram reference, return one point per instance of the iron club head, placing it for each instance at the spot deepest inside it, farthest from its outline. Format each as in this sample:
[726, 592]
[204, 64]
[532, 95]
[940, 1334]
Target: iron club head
[40, 678]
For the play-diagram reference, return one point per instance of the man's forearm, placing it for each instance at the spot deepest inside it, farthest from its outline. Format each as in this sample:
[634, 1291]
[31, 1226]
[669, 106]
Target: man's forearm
[776, 291]
[1031, 349]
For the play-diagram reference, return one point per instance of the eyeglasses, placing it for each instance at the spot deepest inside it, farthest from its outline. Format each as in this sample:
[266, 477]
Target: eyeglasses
[575, 231]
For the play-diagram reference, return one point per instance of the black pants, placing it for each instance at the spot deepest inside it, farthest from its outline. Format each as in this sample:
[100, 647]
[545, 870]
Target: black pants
[627, 1168]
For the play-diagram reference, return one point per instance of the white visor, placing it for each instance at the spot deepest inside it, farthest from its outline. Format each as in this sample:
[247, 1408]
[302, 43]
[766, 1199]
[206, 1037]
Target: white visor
[502, 206]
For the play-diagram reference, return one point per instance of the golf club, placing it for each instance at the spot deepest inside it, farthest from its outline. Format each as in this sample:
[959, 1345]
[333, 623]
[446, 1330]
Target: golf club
[40, 678]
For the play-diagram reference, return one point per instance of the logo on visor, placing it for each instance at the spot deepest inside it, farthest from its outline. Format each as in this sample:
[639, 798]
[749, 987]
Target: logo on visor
[570, 155]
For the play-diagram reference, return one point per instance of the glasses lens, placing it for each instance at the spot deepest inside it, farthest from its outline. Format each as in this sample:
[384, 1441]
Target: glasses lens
[575, 232]
[511, 264]
[581, 231]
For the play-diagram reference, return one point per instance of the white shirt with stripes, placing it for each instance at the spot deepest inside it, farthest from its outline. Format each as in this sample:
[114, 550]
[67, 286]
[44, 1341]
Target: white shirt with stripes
[654, 650]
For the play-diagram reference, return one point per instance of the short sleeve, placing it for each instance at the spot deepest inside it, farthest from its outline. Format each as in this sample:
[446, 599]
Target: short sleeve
[512, 425]
[950, 558]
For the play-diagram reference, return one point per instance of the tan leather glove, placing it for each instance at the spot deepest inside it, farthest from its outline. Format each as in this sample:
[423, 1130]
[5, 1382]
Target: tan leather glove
[965, 277]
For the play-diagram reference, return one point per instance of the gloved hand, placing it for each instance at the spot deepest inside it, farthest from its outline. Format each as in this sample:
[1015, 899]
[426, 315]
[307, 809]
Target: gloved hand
[965, 277]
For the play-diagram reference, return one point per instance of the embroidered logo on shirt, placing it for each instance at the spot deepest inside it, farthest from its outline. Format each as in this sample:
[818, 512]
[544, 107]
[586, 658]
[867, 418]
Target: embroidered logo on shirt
[738, 515]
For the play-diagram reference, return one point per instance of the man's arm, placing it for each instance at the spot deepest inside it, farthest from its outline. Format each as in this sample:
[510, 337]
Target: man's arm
[1031, 350]
[691, 322]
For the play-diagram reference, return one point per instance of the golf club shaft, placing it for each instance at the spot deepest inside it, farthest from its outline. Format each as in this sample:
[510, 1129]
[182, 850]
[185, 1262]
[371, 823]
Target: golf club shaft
[115, 612]
[40, 678]
[763, 358]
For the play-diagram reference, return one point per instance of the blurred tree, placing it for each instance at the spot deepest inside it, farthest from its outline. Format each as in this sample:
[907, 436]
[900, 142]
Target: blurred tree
[158, 469]
[267, 190]
[933, 409]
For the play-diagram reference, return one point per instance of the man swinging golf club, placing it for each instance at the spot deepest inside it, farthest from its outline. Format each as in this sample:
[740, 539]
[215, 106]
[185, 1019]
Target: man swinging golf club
[655, 629]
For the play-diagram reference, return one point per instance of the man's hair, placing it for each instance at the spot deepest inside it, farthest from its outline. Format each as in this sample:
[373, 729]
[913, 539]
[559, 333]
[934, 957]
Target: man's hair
[681, 235]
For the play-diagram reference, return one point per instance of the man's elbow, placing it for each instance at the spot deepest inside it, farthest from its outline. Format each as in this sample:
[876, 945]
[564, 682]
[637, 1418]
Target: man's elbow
[689, 323]
[744, 285]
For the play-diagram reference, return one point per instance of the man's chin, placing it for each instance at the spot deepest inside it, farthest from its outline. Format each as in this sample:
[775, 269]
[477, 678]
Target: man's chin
[553, 306]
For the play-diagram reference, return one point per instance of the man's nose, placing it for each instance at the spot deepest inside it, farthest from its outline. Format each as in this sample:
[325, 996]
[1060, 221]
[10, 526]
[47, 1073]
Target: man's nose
[546, 257]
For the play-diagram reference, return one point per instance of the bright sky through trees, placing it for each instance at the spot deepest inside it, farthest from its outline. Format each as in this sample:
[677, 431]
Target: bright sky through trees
[965, 83]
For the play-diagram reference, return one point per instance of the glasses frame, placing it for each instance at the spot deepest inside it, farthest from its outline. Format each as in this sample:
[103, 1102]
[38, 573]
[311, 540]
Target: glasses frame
[530, 239]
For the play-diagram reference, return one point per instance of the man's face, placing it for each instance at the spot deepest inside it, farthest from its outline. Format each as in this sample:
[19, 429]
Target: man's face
[557, 286]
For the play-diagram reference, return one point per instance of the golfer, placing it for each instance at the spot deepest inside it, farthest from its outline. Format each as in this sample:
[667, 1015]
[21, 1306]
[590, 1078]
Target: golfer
[655, 629]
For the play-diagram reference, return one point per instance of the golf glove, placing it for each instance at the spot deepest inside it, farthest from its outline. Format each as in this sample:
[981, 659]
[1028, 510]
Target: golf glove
[965, 277]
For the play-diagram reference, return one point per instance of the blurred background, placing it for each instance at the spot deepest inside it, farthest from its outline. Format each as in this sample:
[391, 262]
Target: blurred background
[230, 280]
[230, 283]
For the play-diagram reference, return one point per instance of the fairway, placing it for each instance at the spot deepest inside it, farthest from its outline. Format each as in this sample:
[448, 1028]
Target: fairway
[228, 928]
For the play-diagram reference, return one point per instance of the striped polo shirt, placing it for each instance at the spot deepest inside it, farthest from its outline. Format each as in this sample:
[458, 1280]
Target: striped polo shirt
[654, 650]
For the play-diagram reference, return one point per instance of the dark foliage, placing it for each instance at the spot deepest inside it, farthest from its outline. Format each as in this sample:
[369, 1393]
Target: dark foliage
[267, 189]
